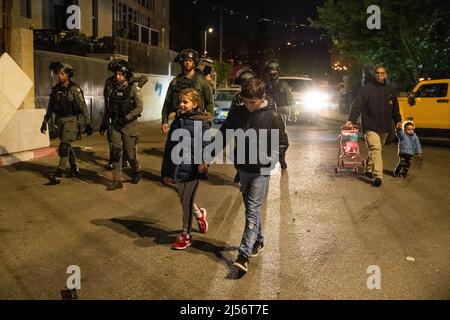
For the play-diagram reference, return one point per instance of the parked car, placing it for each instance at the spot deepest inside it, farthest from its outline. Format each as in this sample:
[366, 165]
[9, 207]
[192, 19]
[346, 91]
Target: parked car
[223, 99]
[309, 100]
[428, 106]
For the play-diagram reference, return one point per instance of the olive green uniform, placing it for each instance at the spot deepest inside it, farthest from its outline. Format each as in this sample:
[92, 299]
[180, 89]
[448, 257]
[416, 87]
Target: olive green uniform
[124, 106]
[181, 82]
[67, 103]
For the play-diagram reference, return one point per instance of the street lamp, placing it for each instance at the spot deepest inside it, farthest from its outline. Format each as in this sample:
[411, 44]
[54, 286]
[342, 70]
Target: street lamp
[210, 30]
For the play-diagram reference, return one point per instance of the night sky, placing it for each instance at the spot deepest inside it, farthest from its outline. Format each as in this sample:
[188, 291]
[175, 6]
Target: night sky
[255, 31]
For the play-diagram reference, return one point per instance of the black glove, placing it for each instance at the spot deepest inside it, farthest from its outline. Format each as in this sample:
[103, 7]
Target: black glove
[43, 127]
[103, 128]
[122, 122]
[88, 129]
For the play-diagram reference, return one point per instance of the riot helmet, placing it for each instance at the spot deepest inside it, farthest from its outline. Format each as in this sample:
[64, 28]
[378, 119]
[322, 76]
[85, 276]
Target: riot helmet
[243, 75]
[272, 69]
[121, 65]
[188, 54]
[58, 66]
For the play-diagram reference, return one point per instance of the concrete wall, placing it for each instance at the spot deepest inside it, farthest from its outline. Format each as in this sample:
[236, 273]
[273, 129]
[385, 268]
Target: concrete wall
[91, 74]
[22, 52]
[19, 129]
[154, 93]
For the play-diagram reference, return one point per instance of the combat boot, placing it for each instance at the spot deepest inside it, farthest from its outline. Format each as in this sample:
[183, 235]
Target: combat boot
[74, 172]
[56, 178]
[136, 178]
[116, 184]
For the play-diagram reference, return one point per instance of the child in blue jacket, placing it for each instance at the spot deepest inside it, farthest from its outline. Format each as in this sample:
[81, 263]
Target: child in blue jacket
[185, 171]
[408, 146]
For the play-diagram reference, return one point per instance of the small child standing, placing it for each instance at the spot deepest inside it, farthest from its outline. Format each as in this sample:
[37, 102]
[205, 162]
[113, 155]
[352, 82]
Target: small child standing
[187, 174]
[408, 146]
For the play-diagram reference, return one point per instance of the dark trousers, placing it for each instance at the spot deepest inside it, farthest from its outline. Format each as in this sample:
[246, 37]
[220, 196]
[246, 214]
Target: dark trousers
[122, 143]
[403, 165]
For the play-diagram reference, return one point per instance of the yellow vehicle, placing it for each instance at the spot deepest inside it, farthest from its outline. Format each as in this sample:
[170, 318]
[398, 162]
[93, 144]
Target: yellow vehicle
[428, 106]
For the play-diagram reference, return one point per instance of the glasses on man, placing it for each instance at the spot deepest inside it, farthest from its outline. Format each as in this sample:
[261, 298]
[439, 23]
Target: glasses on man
[380, 73]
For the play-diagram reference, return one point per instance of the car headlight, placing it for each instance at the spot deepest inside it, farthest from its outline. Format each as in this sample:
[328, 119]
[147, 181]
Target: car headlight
[316, 100]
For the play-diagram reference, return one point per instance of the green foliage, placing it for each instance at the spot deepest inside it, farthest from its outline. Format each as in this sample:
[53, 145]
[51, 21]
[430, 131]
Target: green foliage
[413, 42]
[222, 69]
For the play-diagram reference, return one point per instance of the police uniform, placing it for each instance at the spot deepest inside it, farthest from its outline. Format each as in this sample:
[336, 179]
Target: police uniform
[124, 106]
[67, 103]
[178, 84]
[279, 92]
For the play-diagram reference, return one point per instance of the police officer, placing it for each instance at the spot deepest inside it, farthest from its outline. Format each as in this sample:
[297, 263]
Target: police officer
[109, 85]
[188, 78]
[279, 91]
[67, 103]
[242, 76]
[124, 106]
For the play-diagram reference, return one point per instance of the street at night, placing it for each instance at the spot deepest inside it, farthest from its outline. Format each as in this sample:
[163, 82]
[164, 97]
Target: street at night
[224, 158]
[322, 230]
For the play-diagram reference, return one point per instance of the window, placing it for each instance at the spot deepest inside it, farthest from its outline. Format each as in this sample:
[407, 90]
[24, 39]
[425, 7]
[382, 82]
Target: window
[25, 8]
[435, 90]
[154, 40]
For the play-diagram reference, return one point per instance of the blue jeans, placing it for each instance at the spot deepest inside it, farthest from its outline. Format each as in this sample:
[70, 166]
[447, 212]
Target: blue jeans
[254, 188]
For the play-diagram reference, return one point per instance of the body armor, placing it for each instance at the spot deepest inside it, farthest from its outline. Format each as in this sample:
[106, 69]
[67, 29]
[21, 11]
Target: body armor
[121, 103]
[182, 83]
[276, 92]
[65, 103]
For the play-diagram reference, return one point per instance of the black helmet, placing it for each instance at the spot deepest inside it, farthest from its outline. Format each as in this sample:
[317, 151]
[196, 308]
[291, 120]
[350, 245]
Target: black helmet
[243, 75]
[273, 68]
[58, 66]
[188, 54]
[121, 65]
[117, 63]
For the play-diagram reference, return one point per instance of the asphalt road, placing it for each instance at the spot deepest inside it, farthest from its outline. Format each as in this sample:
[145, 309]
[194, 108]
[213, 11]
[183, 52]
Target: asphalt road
[322, 230]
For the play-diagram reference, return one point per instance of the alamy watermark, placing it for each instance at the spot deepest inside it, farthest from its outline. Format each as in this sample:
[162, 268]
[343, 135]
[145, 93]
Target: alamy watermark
[252, 147]
[374, 20]
[374, 280]
[74, 20]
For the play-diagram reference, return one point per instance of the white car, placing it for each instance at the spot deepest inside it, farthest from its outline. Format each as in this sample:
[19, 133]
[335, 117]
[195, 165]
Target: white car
[223, 99]
[308, 99]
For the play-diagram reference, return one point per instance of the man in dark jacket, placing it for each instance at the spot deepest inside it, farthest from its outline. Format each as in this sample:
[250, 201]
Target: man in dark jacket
[256, 118]
[377, 105]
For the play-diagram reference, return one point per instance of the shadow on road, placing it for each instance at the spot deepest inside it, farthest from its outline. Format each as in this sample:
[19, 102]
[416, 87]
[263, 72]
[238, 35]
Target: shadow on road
[141, 230]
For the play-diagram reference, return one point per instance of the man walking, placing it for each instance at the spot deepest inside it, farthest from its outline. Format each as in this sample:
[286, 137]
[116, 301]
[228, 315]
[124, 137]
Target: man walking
[377, 105]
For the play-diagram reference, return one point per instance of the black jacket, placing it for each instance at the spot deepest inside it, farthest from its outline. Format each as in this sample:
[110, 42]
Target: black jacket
[264, 118]
[378, 106]
[185, 171]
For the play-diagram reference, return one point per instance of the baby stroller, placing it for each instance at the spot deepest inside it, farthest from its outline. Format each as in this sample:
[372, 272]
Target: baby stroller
[349, 157]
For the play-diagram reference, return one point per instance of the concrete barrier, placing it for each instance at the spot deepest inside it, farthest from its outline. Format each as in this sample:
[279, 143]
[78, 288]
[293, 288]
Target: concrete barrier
[154, 93]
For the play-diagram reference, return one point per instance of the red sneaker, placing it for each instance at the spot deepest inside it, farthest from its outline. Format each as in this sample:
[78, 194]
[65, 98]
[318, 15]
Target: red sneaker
[202, 223]
[182, 242]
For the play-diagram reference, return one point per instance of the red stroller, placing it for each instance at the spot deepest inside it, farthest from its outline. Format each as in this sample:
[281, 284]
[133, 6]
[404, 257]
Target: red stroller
[349, 157]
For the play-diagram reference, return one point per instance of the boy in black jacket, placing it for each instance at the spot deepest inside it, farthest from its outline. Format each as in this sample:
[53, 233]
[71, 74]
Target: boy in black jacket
[262, 128]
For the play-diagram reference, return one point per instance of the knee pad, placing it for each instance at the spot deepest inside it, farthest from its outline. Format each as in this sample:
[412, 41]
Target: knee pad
[115, 154]
[64, 149]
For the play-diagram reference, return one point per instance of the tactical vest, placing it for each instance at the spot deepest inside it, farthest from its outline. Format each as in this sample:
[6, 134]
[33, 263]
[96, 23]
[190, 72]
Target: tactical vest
[121, 102]
[65, 103]
[182, 83]
[277, 93]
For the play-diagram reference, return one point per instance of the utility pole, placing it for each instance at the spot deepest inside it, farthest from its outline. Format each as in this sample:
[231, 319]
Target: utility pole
[221, 34]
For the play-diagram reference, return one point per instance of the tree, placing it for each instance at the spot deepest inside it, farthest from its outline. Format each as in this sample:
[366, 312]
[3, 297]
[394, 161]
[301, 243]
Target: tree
[413, 41]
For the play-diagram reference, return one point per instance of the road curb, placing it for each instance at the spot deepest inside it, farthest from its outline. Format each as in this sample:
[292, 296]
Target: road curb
[9, 159]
